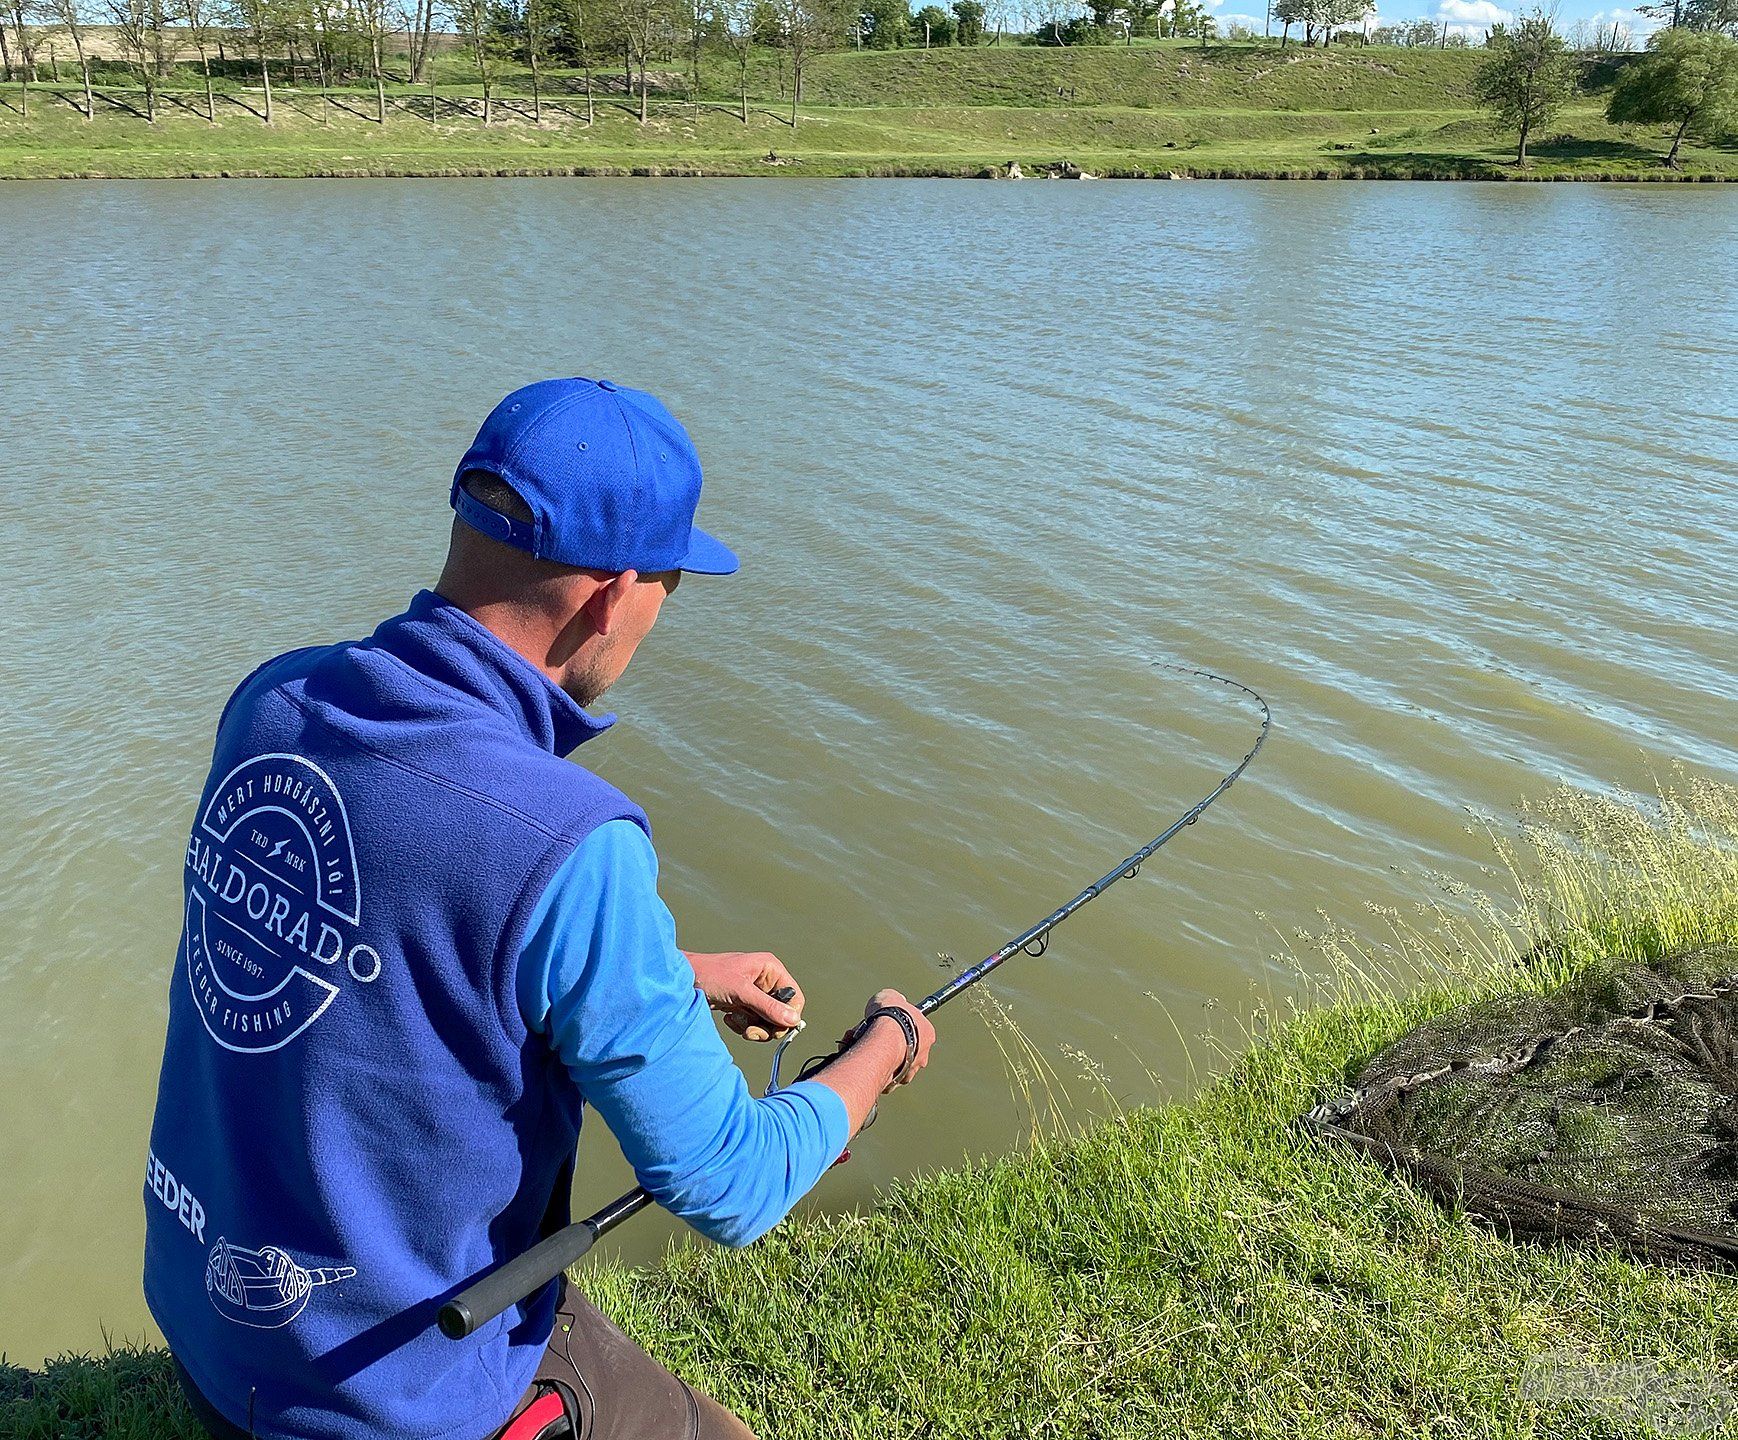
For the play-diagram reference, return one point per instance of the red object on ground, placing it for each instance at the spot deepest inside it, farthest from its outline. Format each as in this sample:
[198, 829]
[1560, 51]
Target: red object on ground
[530, 1422]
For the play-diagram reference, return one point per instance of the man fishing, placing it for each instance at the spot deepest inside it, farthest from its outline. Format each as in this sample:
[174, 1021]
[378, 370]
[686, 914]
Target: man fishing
[419, 942]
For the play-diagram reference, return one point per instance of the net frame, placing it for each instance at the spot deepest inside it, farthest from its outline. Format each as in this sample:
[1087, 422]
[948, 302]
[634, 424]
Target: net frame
[1363, 1121]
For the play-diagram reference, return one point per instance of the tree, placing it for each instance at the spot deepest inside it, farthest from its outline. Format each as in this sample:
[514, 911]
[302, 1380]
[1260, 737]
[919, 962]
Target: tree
[532, 22]
[1720, 16]
[67, 13]
[1528, 77]
[934, 24]
[418, 18]
[638, 23]
[1716, 15]
[477, 24]
[259, 20]
[807, 26]
[968, 27]
[574, 35]
[884, 24]
[24, 15]
[199, 19]
[372, 15]
[1319, 18]
[1688, 79]
[140, 30]
[735, 21]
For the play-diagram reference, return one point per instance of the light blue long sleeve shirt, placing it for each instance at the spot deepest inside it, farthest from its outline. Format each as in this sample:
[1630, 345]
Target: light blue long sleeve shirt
[600, 976]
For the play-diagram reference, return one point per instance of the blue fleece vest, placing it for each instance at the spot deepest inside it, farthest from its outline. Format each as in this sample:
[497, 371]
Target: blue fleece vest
[352, 1119]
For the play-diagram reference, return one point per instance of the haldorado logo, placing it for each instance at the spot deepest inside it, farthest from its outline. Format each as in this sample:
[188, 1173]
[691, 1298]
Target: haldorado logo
[272, 884]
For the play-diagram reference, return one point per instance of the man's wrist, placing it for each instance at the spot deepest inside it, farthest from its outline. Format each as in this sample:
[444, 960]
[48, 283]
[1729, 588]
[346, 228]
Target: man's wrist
[890, 1039]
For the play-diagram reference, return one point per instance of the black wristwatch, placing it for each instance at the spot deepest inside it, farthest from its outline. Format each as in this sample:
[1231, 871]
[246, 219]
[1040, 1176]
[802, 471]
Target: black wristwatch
[908, 1027]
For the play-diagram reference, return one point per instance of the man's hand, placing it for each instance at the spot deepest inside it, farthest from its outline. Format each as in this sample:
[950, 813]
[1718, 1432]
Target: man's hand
[877, 1059]
[739, 983]
[884, 999]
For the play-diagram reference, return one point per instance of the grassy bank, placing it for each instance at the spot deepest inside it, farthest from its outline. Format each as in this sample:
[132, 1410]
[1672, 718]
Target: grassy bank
[1198, 1269]
[1151, 110]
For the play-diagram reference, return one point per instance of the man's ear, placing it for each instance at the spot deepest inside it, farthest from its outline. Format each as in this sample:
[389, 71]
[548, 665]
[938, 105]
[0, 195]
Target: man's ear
[604, 604]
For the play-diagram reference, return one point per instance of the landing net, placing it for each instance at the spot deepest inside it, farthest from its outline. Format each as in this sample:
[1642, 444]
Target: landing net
[1605, 1111]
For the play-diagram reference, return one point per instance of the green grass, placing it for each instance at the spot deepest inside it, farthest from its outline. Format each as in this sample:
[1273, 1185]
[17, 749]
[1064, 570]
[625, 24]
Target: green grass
[1149, 110]
[1198, 1269]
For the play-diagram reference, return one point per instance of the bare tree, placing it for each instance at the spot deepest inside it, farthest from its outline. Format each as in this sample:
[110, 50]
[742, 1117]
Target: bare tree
[735, 19]
[372, 15]
[259, 21]
[419, 35]
[138, 23]
[66, 14]
[580, 19]
[24, 15]
[198, 17]
[639, 21]
[808, 25]
[475, 22]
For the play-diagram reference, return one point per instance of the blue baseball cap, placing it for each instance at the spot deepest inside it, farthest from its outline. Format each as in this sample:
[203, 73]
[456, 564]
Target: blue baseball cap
[610, 476]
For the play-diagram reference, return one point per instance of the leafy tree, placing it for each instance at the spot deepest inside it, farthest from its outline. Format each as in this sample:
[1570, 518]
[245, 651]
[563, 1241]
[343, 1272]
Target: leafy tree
[1720, 16]
[1074, 30]
[260, 20]
[1181, 17]
[1319, 18]
[477, 26]
[576, 27]
[1689, 79]
[968, 22]
[25, 15]
[934, 24]
[1528, 77]
[768, 28]
[885, 24]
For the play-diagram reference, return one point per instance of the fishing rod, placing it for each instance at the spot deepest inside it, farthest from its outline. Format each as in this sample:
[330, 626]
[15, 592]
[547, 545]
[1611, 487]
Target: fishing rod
[526, 1274]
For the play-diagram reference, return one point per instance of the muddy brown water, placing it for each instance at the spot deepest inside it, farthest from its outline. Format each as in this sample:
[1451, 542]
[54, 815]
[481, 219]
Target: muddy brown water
[1449, 472]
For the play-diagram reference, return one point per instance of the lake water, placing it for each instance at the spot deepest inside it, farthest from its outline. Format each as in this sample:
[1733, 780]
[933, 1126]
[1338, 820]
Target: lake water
[1449, 472]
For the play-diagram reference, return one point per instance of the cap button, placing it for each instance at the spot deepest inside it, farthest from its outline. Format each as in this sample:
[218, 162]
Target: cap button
[606, 385]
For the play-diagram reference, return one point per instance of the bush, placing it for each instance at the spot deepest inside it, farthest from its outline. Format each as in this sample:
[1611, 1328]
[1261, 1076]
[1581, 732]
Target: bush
[1078, 30]
[934, 24]
[886, 24]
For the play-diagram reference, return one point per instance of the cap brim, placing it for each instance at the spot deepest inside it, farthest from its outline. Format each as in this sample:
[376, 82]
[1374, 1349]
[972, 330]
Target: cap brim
[708, 555]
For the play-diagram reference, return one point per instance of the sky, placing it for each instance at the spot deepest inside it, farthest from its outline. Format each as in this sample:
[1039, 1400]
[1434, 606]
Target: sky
[1471, 18]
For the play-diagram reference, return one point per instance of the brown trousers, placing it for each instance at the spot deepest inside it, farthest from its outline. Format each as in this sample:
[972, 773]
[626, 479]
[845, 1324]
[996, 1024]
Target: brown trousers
[610, 1388]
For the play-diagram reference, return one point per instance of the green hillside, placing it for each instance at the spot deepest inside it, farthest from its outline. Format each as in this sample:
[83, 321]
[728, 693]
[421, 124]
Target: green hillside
[1165, 109]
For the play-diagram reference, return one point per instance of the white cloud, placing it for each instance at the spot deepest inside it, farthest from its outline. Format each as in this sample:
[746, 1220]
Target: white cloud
[1254, 22]
[1638, 25]
[1480, 13]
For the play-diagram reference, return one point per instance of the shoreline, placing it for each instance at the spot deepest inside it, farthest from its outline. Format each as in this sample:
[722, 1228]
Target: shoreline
[1155, 1269]
[793, 171]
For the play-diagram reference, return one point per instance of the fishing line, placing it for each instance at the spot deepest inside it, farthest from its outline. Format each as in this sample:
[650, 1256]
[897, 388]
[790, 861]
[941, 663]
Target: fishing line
[1036, 940]
[525, 1274]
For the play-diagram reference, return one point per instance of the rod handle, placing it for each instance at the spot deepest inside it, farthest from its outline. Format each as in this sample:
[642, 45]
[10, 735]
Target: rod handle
[481, 1301]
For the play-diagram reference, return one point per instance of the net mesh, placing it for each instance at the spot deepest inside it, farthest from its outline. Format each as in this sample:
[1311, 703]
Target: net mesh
[1603, 1111]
